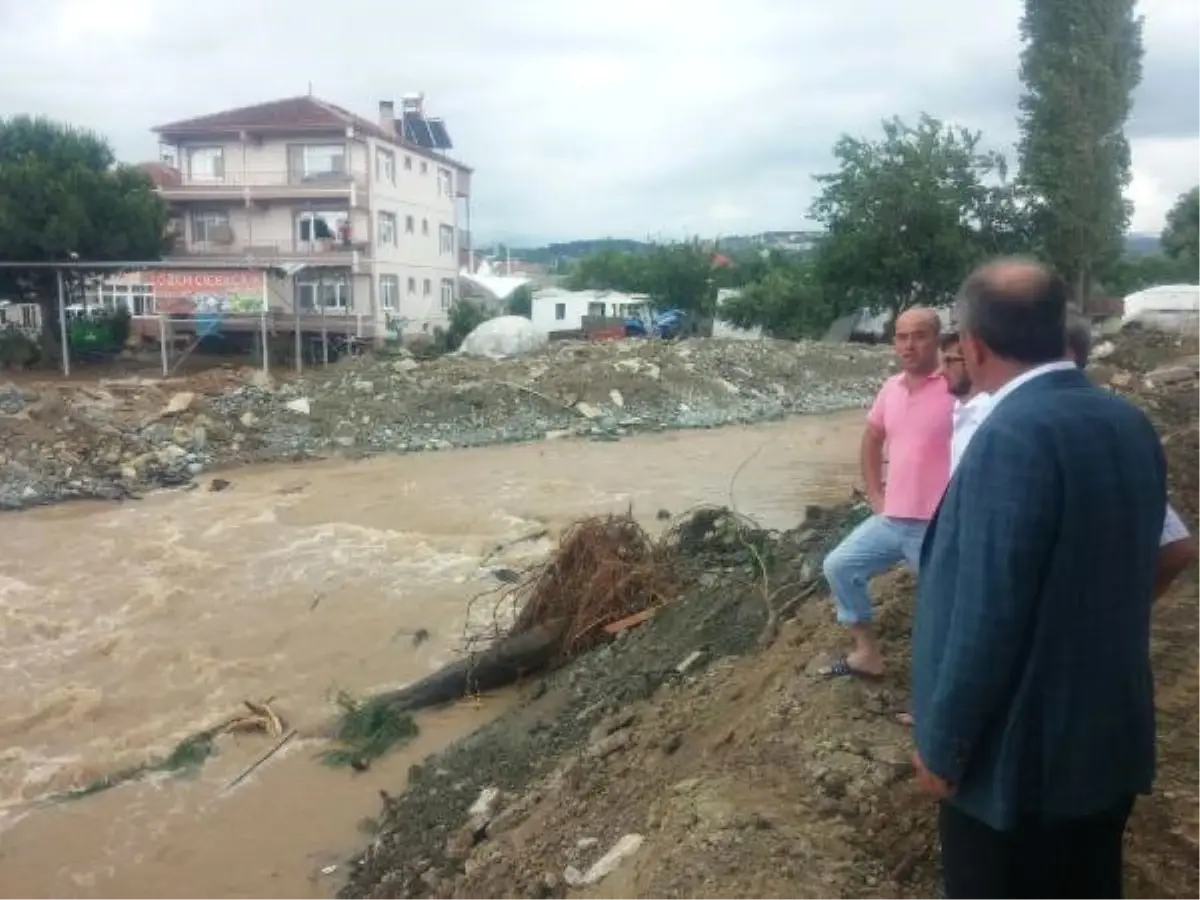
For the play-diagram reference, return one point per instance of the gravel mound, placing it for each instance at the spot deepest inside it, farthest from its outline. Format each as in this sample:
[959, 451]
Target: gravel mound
[115, 438]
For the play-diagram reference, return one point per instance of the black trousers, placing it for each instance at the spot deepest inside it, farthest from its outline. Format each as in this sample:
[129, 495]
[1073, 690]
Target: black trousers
[1037, 859]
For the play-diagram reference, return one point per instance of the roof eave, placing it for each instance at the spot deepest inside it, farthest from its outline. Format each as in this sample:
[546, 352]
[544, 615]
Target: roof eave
[199, 130]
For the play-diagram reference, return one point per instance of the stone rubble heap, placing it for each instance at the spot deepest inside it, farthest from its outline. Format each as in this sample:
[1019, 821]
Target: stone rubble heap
[115, 438]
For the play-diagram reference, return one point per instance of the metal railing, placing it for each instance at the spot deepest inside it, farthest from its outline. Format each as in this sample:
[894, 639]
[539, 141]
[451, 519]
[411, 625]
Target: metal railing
[333, 180]
[267, 249]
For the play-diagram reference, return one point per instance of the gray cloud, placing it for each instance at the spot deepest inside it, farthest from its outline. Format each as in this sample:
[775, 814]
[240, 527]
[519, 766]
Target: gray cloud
[623, 118]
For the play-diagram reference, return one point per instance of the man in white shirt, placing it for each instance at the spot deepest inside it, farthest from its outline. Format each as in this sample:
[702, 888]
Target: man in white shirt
[970, 405]
[1177, 548]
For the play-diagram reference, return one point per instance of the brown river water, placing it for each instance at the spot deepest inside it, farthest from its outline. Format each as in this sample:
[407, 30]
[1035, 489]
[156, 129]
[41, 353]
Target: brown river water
[128, 627]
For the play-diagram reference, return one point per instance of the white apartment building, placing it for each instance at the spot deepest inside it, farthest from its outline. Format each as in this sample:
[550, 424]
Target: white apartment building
[361, 217]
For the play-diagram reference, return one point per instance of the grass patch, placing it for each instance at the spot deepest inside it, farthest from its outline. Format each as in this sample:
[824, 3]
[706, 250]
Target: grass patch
[368, 730]
[185, 758]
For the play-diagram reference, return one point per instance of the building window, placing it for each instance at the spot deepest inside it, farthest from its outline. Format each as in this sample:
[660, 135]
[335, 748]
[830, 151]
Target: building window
[445, 183]
[326, 229]
[596, 309]
[425, 227]
[560, 311]
[424, 167]
[327, 295]
[412, 285]
[137, 298]
[447, 293]
[385, 165]
[408, 163]
[389, 291]
[316, 162]
[427, 287]
[446, 239]
[387, 229]
[211, 227]
[409, 225]
[206, 164]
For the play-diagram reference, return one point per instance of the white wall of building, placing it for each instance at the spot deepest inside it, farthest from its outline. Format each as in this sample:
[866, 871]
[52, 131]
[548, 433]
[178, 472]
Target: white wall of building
[559, 310]
[417, 193]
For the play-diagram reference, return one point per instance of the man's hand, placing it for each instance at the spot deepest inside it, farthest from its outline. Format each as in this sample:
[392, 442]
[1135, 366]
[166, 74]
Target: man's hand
[876, 501]
[928, 782]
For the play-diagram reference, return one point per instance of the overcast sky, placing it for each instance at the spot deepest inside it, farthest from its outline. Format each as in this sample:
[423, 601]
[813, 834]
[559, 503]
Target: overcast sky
[583, 118]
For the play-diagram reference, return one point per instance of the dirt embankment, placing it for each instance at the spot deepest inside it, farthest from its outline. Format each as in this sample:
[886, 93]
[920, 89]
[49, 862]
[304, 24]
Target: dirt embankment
[681, 760]
[112, 438]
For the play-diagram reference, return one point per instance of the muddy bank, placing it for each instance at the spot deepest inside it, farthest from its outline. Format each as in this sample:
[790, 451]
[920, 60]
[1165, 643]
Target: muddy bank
[116, 438]
[581, 717]
[685, 759]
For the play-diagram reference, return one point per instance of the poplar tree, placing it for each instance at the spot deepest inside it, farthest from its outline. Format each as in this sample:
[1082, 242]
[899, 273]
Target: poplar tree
[1080, 63]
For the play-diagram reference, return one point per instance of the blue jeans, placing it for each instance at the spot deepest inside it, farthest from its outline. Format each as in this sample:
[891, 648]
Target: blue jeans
[870, 549]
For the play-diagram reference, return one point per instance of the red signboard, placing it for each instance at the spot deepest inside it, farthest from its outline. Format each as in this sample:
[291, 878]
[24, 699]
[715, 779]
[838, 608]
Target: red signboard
[182, 292]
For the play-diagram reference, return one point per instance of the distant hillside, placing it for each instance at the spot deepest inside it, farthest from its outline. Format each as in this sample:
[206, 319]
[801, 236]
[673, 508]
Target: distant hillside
[1142, 244]
[1136, 244]
[552, 254]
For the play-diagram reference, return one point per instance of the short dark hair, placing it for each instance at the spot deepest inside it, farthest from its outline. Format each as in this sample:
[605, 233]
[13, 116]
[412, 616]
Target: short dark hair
[1079, 339]
[1017, 309]
[948, 340]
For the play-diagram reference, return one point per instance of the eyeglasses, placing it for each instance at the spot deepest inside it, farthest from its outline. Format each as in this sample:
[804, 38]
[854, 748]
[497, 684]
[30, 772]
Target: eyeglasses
[948, 360]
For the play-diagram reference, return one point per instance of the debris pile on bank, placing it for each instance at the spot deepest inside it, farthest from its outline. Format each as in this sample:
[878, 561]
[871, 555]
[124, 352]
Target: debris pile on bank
[605, 569]
[719, 611]
[115, 437]
[661, 764]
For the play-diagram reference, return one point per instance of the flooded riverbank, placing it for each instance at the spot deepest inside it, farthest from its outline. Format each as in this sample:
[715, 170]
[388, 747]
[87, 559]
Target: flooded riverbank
[132, 626]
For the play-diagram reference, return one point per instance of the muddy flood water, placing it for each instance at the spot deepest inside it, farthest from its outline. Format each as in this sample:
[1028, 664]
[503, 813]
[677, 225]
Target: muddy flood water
[128, 627]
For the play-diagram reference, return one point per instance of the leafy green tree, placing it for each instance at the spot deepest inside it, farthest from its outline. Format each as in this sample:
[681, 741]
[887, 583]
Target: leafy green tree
[1181, 238]
[1081, 61]
[681, 276]
[464, 317]
[520, 302]
[1131, 273]
[609, 270]
[673, 275]
[908, 215]
[64, 197]
[786, 301]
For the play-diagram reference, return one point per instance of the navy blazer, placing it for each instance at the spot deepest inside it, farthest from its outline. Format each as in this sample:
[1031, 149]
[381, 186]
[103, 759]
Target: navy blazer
[1032, 689]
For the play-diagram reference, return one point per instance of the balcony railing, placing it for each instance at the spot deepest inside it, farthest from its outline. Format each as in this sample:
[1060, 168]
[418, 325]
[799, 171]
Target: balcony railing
[332, 181]
[274, 249]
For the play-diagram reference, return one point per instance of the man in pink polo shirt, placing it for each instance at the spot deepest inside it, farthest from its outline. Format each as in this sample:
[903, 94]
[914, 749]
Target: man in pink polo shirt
[911, 418]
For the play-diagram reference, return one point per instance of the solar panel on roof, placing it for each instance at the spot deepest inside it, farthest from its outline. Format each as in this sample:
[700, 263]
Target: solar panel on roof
[441, 137]
[417, 130]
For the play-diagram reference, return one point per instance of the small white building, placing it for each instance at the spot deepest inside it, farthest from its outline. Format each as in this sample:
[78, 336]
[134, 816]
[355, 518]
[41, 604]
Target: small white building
[556, 309]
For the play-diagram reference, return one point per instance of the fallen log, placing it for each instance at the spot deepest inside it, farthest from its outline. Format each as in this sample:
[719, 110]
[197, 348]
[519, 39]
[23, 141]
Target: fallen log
[501, 664]
[368, 729]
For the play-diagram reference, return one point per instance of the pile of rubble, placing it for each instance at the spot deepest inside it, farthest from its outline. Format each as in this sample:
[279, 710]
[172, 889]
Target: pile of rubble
[116, 437]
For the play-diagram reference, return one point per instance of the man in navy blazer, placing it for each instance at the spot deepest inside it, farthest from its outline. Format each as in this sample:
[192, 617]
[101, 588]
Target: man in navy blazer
[1032, 692]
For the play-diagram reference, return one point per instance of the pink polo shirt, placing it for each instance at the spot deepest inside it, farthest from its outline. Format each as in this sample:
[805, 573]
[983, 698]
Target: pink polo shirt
[917, 425]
